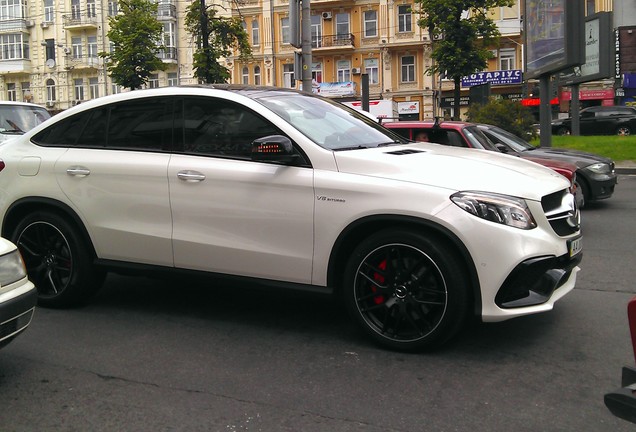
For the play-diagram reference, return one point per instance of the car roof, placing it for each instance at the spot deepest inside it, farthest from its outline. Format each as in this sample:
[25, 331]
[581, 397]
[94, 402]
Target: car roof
[16, 103]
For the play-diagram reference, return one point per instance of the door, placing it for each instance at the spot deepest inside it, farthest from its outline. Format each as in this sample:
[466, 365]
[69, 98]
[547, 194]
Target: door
[232, 215]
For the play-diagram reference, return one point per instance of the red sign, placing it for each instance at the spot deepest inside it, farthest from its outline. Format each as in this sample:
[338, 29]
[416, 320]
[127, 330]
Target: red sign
[589, 94]
[537, 101]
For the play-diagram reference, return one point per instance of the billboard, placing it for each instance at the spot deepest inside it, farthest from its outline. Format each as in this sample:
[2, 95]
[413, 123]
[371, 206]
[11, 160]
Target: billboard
[553, 32]
[599, 47]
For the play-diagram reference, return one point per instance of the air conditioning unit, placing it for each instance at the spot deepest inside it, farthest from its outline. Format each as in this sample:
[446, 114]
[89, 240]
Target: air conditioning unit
[356, 71]
[326, 15]
[30, 23]
[44, 24]
[67, 50]
[50, 104]
[438, 36]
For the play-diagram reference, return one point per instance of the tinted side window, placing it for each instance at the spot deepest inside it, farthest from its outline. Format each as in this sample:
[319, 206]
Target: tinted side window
[142, 124]
[63, 133]
[220, 127]
[95, 134]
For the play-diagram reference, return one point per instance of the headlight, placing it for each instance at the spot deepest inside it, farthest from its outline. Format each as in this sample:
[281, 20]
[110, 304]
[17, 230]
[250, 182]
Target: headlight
[497, 208]
[599, 168]
[11, 268]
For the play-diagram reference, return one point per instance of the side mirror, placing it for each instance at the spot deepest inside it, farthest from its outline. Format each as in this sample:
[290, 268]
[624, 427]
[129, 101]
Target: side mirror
[502, 148]
[273, 148]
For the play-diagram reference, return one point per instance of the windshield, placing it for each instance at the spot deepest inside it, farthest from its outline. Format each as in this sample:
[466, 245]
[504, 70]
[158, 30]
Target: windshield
[478, 139]
[330, 124]
[17, 119]
[510, 139]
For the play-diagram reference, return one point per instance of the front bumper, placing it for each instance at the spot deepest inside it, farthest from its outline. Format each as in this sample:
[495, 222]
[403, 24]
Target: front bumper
[16, 311]
[602, 186]
[534, 281]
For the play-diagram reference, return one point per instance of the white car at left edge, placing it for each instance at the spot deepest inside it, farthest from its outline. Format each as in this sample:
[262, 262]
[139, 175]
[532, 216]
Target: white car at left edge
[18, 295]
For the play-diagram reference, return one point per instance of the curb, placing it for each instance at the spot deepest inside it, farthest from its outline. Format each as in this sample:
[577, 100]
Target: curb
[625, 170]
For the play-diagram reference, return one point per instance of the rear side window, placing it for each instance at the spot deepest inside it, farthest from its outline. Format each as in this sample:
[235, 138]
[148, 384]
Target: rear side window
[142, 124]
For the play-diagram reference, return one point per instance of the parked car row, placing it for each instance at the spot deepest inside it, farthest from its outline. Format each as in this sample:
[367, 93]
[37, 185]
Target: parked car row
[593, 176]
[279, 187]
[600, 120]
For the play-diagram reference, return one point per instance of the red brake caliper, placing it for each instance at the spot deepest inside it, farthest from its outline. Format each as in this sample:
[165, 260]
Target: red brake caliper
[379, 299]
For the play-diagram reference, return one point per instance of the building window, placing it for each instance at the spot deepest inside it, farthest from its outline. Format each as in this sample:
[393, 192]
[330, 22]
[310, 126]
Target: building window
[172, 79]
[257, 75]
[14, 46]
[507, 59]
[92, 46]
[115, 89]
[153, 81]
[112, 7]
[12, 9]
[316, 31]
[372, 70]
[50, 90]
[26, 92]
[76, 44]
[288, 75]
[404, 19]
[256, 33]
[408, 68]
[343, 70]
[343, 27]
[90, 8]
[93, 87]
[370, 23]
[78, 86]
[12, 94]
[245, 75]
[76, 12]
[49, 11]
[316, 72]
[284, 30]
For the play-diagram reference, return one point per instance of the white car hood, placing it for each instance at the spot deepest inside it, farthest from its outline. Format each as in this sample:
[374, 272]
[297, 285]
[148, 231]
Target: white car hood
[454, 168]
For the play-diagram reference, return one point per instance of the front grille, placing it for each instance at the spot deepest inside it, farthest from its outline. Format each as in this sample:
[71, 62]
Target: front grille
[561, 211]
[15, 325]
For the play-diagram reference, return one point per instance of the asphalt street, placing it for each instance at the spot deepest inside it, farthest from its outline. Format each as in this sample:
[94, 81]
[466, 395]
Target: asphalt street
[165, 355]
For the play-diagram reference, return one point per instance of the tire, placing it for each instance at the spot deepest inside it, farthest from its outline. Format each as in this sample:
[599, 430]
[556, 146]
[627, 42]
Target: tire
[406, 291]
[563, 131]
[581, 195]
[623, 131]
[57, 259]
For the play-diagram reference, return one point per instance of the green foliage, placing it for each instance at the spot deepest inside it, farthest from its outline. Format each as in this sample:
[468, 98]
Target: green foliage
[136, 36]
[507, 114]
[618, 148]
[464, 35]
[224, 36]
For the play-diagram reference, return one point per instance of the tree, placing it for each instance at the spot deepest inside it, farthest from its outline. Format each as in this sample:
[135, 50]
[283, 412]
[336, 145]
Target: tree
[463, 35]
[507, 114]
[223, 36]
[136, 37]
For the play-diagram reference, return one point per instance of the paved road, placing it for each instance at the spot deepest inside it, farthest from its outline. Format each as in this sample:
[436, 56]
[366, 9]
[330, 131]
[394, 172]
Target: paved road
[148, 355]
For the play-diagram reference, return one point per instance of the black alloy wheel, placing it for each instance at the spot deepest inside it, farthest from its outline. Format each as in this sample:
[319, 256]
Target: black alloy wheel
[406, 291]
[57, 260]
[623, 131]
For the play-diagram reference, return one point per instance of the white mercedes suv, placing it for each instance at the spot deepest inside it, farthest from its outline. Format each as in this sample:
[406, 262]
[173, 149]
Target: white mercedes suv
[277, 186]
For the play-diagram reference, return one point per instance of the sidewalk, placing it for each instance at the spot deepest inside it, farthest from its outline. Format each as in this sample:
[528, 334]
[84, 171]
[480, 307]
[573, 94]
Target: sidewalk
[626, 167]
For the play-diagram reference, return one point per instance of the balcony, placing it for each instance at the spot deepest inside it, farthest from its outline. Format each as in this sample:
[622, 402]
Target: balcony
[16, 25]
[166, 12]
[333, 42]
[168, 54]
[84, 62]
[80, 21]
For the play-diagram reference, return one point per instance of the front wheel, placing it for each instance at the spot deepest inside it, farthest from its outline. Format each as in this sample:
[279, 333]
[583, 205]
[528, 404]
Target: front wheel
[57, 259]
[563, 131]
[406, 291]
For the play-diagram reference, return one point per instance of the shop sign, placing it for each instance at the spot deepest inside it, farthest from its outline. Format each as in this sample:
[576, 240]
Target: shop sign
[589, 94]
[499, 77]
[411, 107]
[347, 88]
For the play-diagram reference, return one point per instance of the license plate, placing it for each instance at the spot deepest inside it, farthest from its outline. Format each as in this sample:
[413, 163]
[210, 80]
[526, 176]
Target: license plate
[575, 246]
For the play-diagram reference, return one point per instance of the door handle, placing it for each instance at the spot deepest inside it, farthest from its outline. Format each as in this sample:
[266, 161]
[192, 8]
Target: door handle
[78, 171]
[190, 176]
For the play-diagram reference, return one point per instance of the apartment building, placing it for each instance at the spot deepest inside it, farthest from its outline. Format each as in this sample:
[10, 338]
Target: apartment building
[49, 50]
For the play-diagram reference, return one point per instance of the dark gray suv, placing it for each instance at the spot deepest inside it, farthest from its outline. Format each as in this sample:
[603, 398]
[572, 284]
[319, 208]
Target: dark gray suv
[600, 120]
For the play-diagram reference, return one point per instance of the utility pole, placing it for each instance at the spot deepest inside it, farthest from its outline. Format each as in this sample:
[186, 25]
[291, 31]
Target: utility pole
[300, 37]
[204, 27]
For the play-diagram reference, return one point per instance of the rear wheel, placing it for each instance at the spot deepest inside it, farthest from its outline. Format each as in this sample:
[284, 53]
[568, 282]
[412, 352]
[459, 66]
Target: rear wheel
[57, 258]
[406, 291]
[563, 131]
[623, 131]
